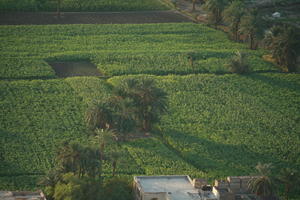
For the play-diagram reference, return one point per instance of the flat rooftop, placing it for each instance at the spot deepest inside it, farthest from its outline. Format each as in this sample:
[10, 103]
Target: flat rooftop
[177, 187]
[16, 195]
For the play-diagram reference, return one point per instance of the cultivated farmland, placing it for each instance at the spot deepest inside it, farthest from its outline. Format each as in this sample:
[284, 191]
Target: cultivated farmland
[218, 124]
[158, 49]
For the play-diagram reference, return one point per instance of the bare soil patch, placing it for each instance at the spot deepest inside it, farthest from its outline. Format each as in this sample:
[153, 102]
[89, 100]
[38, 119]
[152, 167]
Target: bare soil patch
[70, 69]
[43, 18]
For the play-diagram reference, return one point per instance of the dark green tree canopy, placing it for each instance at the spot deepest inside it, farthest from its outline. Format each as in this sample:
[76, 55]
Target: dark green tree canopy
[284, 44]
[232, 16]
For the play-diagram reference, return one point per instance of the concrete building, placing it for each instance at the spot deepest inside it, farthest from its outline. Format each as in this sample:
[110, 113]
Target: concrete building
[10, 195]
[171, 188]
[234, 188]
[183, 188]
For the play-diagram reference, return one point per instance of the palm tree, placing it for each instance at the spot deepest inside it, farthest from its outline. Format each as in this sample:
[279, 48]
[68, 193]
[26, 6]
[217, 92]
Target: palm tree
[215, 9]
[252, 27]
[232, 15]
[99, 116]
[194, 4]
[74, 155]
[290, 178]
[114, 157]
[69, 158]
[149, 100]
[51, 178]
[238, 63]
[103, 137]
[284, 43]
[263, 184]
[58, 6]
[124, 111]
[64, 158]
[79, 160]
[91, 165]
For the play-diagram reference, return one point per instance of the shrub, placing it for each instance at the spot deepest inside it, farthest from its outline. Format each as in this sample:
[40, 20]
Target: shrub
[238, 64]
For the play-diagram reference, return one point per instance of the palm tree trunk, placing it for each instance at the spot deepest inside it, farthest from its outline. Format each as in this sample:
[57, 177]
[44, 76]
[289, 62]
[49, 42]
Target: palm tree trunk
[251, 41]
[194, 5]
[287, 191]
[102, 146]
[236, 32]
[114, 165]
[58, 8]
[146, 125]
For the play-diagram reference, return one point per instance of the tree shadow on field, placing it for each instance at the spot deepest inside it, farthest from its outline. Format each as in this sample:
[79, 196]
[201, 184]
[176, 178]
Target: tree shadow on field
[10, 167]
[276, 82]
[217, 159]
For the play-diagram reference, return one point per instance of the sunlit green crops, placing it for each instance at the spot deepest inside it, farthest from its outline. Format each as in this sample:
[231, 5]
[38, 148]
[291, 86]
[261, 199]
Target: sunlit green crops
[120, 49]
[79, 5]
[217, 125]
[225, 125]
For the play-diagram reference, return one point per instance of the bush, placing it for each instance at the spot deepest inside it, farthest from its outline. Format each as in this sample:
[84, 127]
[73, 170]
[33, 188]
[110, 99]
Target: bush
[238, 64]
[118, 189]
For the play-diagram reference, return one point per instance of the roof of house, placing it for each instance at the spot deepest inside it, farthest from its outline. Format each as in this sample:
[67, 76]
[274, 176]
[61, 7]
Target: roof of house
[24, 195]
[176, 187]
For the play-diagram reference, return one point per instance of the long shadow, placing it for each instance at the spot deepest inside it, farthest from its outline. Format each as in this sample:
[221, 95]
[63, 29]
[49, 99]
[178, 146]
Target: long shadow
[276, 82]
[217, 158]
[7, 167]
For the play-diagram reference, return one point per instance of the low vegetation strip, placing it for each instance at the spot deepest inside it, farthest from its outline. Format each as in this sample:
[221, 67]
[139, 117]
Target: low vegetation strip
[158, 49]
[78, 5]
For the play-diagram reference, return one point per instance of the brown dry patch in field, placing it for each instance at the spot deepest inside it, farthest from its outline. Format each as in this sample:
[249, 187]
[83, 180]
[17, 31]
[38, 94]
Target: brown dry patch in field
[42, 18]
[69, 69]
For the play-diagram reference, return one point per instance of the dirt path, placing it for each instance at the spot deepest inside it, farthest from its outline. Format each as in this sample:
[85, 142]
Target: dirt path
[42, 18]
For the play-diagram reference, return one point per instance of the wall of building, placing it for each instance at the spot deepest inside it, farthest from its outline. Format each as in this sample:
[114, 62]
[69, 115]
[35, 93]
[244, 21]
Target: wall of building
[155, 196]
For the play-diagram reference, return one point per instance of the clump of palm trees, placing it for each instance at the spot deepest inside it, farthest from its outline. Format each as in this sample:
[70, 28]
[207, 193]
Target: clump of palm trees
[78, 168]
[233, 15]
[265, 184]
[282, 40]
[252, 27]
[284, 43]
[134, 104]
[215, 9]
[78, 174]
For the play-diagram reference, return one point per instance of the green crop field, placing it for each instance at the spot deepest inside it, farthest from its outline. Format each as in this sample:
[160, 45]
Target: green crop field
[158, 49]
[218, 124]
[79, 5]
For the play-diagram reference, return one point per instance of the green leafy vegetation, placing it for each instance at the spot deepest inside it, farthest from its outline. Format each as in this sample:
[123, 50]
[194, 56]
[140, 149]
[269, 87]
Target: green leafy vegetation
[220, 125]
[216, 125]
[238, 64]
[226, 124]
[283, 41]
[120, 49]
[78, 5]
[232, 15]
